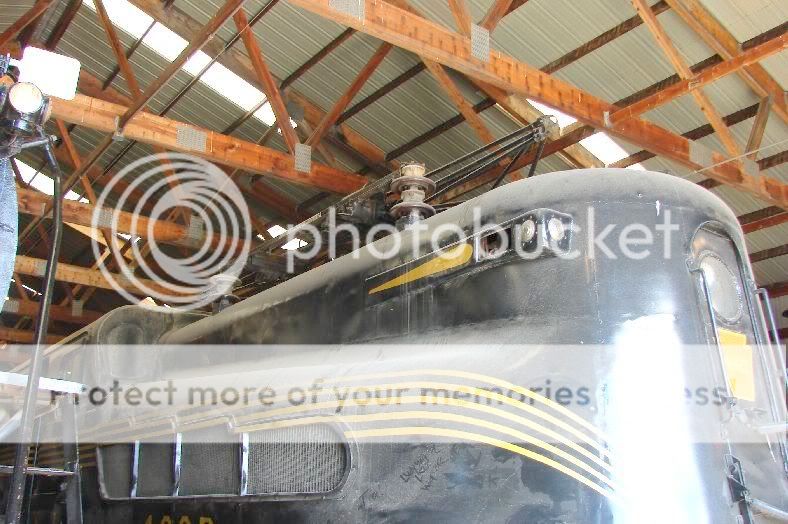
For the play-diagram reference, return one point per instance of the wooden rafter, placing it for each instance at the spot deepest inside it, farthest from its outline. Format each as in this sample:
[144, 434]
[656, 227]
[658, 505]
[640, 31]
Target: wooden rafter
[758, 127]
[223, 149]
[117, 50]
[573, 155]
[60, 313]
[266, 80]
[766, 254]
[694, 14]
[23, 21]
[31, 202]
[514, 107]
[778, 289]
[21, 336]
[463, 106]
[495, 14]
[422, 37]
[462, 18]
[187, 27]
[355, 86]
[763, 218]
[203, 35]
[681, 67]
[694, 82]
[317, 57]
[87, 277]
[62, 24]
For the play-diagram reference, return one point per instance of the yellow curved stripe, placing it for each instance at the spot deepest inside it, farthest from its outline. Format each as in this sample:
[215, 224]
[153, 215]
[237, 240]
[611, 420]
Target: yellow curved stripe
[449, 259]
[452, 373]
[431, 415]
[476, 392]
[291, 410]
[475, 437]
[482, 378]
[409, 385]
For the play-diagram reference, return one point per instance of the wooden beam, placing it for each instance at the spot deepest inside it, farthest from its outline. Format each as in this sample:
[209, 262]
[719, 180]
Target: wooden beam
[62, 24]
[202, 35]
[725, 44]
[758, 127]
[423, 37]
[766, 254]
[29, 16]
[60, 313]
[778, 289]
[156, 130]
[382, 91]
[21, 336]
[723, 133]
[88, 277]
[331, 117]
[524, 113]
[459, 101]
[462, 18]
[495, 14]
[463, 106]
[236, 61]
[516, 108]
[696, 81]
[266, 80]
[763, 218]
[572, 155]
[35, 203]
[317, 57]
[605, 38]
[267, 195]
[117, 50]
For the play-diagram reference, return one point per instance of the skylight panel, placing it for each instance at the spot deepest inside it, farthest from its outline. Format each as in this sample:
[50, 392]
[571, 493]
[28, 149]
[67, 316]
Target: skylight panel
[169, 45]
[563, 119]
[599, 144]
[276, 230]
[42, 182]
[296, 243]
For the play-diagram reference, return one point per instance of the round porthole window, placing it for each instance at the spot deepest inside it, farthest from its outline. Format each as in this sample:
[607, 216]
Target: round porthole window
[726, 295]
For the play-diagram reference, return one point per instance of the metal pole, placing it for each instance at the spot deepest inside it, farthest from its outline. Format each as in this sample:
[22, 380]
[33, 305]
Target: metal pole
[16, 493]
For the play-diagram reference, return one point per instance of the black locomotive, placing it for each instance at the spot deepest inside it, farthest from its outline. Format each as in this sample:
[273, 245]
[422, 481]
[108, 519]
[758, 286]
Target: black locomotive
[547, 372]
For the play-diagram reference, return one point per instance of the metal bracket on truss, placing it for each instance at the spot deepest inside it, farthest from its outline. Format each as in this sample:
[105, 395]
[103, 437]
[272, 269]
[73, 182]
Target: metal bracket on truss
[195, 233]
[480, 43]
[751, 167]
[77, 307]
[700, 154]
[117, 135]
[303, 158]
[354, 8]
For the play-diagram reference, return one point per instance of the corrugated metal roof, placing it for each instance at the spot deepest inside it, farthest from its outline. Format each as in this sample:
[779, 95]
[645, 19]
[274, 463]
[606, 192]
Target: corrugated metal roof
[537, 33]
